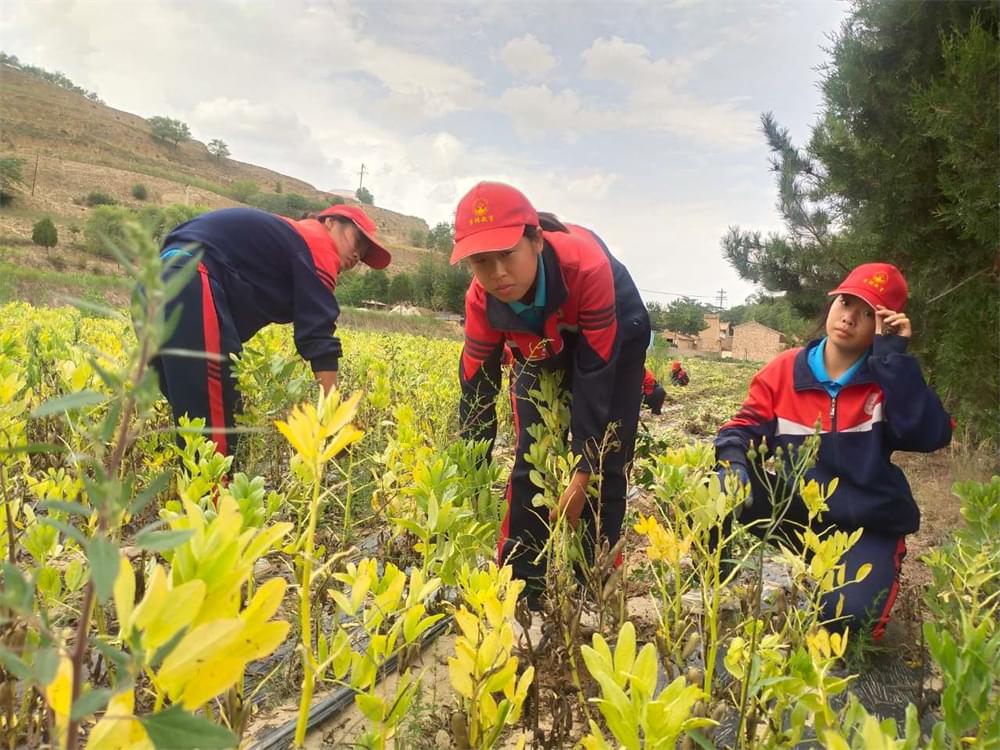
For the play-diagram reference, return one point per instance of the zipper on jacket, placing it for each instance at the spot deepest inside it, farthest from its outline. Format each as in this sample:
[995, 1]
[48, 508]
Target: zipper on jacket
[833, 413]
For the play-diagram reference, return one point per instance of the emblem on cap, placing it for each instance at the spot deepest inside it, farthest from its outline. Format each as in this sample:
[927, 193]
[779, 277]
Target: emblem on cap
[481, 212]
[878, 281]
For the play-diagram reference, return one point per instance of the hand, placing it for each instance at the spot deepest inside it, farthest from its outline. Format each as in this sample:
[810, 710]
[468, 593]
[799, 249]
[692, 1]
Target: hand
[573, 498]
[327, 379]
[738, 469]
[889, 321]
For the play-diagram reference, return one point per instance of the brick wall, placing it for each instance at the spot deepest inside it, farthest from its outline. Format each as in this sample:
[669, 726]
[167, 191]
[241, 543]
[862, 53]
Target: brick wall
[756, 342]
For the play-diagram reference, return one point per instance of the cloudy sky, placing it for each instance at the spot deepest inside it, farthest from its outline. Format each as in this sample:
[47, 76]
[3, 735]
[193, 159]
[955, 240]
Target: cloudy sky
[638, 119]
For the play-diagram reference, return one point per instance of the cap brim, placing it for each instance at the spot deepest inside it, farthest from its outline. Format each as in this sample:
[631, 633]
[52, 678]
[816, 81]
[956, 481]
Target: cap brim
[489, 241]
[860, 292]
[377, 256]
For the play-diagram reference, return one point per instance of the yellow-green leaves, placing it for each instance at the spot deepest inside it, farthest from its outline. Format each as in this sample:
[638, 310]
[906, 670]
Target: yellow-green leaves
[483, 671]
[628, 682]
[318, 433]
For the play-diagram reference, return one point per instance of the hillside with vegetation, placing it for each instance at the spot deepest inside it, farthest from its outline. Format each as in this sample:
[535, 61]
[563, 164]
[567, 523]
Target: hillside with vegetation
[68, 158]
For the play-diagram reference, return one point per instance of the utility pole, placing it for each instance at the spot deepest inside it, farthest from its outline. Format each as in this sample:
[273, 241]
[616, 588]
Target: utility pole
[361, 176]
[721, 294]
[35, 176]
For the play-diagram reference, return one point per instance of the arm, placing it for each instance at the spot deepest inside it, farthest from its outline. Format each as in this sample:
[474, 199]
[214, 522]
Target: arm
[593, 364]
[915, 418]
[315, 313]
[479, 373]
[327, 379]
[753, 424]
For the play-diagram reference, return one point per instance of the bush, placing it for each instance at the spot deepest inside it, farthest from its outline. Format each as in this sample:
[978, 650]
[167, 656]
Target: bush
[243, 190]
[97, 198]
[44, 233]
[160, 221]
[10, 175]
[106, 225]
[418, 238]
[364, 195]
[139, 192]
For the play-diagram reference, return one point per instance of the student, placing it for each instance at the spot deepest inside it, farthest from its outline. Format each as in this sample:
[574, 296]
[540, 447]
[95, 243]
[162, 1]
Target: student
[653, 394]
[256, 268]
[678, 376]
[870, 399]
[555, 294]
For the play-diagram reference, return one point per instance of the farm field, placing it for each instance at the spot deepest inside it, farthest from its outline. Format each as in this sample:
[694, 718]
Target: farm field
[153, 604]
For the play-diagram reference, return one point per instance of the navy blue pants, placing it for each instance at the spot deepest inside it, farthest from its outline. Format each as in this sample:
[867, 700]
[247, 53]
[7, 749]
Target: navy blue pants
[194, 365]
[868, 603]
[525, 528]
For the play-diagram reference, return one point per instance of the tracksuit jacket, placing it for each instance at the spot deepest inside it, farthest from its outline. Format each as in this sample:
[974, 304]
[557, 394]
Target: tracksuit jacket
[256, 268]
[886, 407]
[595, 330]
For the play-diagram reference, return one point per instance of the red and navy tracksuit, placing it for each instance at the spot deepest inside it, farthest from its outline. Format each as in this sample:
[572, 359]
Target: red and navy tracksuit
[256, 268]
[653, 394]
[885, 407]
[595, 330]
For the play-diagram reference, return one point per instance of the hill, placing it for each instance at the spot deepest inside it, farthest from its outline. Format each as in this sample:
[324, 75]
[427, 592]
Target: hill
[82, 146]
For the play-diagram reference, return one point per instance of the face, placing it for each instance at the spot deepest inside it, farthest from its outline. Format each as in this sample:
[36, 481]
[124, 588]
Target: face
[352, 245]
[508, 274]
[850, 324]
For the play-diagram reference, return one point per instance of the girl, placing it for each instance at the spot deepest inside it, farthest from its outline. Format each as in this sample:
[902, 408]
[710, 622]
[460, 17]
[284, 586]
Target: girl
[256, 268]
[553, 293]
[870, 399]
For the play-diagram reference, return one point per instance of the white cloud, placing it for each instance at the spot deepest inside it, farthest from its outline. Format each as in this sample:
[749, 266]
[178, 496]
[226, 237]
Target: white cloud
[528, 57]
[632, 65]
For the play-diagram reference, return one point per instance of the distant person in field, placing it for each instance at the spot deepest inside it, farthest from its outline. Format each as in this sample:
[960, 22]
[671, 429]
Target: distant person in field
[678, 375]
[869, 398]
[557, 297]
[256, 268]
[653, 394]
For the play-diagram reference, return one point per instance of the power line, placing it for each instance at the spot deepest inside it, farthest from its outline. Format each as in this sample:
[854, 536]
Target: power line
[677, 294]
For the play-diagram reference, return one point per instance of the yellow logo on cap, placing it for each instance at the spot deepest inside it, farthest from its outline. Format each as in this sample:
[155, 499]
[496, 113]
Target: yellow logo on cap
[481, 210]
[878, 281]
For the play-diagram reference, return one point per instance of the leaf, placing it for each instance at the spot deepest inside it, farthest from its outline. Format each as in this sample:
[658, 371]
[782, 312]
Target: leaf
[65, 506]
[13, 664]
[161, 541]
[177, 729]
[102, 555]
[89, 703]
[154, 488]
[70, 402]
[71, 531]
[124, 593]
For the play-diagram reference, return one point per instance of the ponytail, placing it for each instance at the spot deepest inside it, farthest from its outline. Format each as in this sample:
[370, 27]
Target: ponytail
[547, 223]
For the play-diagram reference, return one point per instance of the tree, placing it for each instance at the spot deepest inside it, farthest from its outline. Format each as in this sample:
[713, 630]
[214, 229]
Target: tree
[44, 233]
[169, 130]
[375, 286]
[441, 237]
[139, 191]
[685, 315]
[106, 226]
[364, 195]
[418, 237]
[10, 175]
[218, 149]
[400, 288]
[901, 167]
[657, 316]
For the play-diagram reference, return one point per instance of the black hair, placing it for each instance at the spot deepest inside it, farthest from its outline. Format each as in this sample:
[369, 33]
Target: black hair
[546, 222]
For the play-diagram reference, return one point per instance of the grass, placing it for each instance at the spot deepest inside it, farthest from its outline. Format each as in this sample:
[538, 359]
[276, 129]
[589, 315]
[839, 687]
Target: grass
[49, 287]
[377, 320]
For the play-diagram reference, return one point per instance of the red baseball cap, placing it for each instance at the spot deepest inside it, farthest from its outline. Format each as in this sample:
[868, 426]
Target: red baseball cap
[878, 284]
[377, 256]
[491, 217]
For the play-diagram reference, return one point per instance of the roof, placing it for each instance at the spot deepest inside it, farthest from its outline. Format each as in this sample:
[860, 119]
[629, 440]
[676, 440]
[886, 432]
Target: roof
[754, 323]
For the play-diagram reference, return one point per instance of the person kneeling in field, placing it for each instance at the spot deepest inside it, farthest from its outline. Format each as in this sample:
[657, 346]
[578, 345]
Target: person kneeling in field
[563, 303]
[256, 268]
[653, 394]
[869, 398]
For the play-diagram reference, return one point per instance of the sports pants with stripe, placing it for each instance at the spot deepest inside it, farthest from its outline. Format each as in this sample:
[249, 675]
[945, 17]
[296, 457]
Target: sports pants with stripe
[525, 528]
[200, 382]
[868, 603]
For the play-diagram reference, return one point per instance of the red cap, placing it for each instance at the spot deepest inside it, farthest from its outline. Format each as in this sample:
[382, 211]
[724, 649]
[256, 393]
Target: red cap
[878, 284]
[377, 256]
[491, 217]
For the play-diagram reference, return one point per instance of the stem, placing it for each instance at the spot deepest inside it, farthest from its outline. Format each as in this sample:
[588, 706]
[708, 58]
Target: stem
[11, 550]
[305, 617]
[79, 652]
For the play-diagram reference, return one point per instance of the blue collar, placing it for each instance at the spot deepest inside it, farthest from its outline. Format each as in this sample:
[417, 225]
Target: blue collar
[818, 367]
